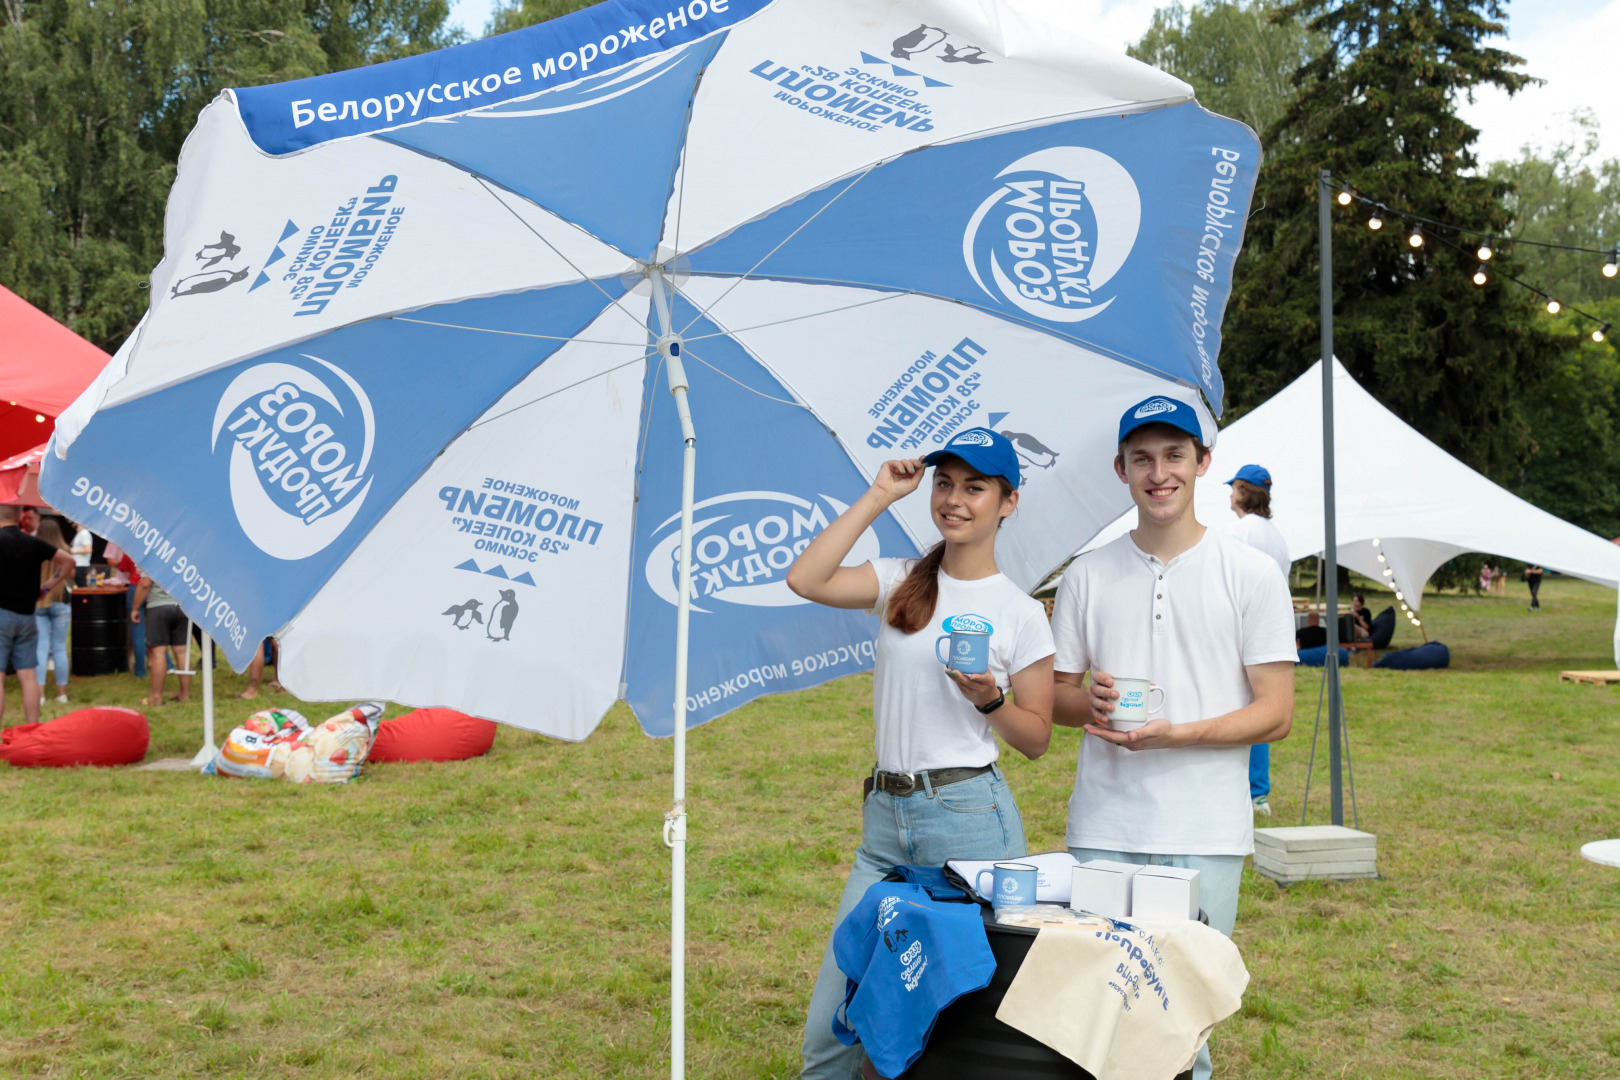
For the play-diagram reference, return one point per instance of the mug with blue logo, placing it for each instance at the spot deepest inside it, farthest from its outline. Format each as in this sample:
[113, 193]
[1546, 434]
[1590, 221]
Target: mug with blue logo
[1135, 704]
[968, 650]
[1012, 884]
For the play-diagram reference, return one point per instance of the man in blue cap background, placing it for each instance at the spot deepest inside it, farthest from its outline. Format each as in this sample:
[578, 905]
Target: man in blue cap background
[1251, 502]
[1206, 618]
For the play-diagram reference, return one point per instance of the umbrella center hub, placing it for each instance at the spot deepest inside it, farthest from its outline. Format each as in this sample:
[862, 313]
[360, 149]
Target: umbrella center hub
[669, 345]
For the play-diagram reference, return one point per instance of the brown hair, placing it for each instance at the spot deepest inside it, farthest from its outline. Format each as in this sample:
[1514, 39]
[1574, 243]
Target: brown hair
[51, 533]
[1200, 450]
[911, 604]
[1253, 498]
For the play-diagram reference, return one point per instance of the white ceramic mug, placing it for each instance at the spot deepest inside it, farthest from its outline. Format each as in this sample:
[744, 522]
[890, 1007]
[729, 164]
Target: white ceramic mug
[1135, 705]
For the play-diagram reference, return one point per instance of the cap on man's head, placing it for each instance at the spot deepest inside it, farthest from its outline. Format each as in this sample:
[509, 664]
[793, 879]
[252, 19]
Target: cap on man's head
[1252, 474]
[990, 452]
[1161, 410]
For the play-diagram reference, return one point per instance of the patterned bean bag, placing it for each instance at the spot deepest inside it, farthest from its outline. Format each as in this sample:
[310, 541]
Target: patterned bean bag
[433, 735]
[102, 736]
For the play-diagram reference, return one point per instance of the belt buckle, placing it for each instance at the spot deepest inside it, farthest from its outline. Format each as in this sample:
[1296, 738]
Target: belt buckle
[911, 783]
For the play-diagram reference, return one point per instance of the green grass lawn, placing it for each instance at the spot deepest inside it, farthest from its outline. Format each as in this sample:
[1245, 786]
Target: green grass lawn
[508, 916]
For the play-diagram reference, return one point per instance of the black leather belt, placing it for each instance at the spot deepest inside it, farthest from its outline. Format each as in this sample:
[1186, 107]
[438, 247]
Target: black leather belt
[905, 783]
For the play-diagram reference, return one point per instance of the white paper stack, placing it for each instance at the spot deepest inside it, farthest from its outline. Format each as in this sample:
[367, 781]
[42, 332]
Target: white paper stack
[1306, 852]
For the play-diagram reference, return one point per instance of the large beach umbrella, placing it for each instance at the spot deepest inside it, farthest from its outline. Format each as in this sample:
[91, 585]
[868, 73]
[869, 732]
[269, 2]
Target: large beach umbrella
[417, 326]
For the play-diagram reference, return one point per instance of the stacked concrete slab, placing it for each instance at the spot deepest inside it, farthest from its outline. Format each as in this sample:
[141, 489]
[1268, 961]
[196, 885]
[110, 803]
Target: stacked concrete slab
[1315, 852]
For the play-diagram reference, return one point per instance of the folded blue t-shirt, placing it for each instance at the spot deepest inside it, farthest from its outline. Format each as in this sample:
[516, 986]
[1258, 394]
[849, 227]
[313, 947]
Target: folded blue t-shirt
[906, 957]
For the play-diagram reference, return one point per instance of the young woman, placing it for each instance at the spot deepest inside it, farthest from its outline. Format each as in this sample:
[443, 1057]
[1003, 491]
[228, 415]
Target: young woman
[51, 616]
[935, 792]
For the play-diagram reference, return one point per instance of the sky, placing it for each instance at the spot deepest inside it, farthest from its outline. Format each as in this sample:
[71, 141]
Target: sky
[1572, 44]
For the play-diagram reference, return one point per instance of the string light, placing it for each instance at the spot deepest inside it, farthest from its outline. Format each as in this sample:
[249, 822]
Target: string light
[1553, 306]
[1597, 335]
[1345, 197]
[1484, 252]
[1375, 222]
[1611, 264]
[1479, 275]
[1416, 238]
[1388, 572]
[1381, 557]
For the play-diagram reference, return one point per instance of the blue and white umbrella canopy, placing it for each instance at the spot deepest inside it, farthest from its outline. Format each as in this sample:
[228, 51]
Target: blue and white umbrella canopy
[400, 398]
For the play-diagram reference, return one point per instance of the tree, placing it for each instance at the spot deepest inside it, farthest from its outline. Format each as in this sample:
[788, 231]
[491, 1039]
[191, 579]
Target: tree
[516, 14]
[1238, 57]
[1377, 106]
[1565, 196]
[96, 98]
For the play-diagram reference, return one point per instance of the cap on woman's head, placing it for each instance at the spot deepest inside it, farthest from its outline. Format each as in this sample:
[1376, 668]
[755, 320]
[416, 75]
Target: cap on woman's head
[1252, 474]
[989, 452]
[1161, 410]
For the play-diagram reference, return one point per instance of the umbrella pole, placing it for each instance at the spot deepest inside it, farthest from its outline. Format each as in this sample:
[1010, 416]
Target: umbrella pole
[669, 344]
[1330, 531]
[206, 754]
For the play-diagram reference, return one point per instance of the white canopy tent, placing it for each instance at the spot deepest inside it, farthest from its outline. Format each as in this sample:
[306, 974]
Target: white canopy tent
[1405, 506]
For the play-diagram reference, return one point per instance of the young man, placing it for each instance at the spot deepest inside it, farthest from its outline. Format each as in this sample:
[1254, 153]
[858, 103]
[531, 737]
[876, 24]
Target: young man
[21, 556]
[1251, 502]
[1208, 619]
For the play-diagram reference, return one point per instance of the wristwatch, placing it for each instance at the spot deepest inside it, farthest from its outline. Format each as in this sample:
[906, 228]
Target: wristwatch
[1001, 699]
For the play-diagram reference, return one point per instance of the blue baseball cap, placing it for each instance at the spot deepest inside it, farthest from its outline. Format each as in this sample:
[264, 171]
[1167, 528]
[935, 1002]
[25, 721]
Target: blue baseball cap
[987, 451]
[1252, 474]
[1161, 410]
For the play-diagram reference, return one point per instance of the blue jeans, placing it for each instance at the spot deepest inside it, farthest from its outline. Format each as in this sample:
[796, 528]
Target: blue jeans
[973, 819]
[1259, 770]
[52, 623]
[1218, 879]
[19, 639]
[137, 633]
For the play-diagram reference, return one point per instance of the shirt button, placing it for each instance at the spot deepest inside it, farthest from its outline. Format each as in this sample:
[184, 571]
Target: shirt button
[1158, 616]
[1160, 596]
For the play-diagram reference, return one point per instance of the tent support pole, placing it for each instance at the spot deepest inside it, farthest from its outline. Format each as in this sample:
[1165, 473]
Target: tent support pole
[1330, 532]
[669, 345]
[206, 663]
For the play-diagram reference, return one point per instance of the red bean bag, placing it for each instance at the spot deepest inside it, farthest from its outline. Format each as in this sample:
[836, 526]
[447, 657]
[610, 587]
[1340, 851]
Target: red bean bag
[101, 736]
[433, 735]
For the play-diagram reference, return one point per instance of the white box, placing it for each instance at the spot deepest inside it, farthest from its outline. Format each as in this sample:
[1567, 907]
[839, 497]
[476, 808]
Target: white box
[1164, 894]
[1103, 887]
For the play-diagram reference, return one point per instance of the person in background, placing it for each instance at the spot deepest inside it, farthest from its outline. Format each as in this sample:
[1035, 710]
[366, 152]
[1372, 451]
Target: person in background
[935, 792]
[124, 565]
[1532, 577]
[21, 557]
[82, 543]
[1209, 620]
[255, 672]
[1486, 576]
[166, 627]
[51, 615]
[1312, 635]
[28, 520]
[1251, 502]
[1361, 618]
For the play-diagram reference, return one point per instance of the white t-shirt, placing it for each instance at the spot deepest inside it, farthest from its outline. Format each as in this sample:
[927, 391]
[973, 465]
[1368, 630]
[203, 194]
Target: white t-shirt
[922, 719]
[1191, 625]
[1260, 534]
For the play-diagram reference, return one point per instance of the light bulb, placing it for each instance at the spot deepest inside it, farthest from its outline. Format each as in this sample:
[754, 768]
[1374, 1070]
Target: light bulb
[1375, 541]
[1611, 265]
[1417, 622]
[1375, 222]
[1553, 306]
[1479, 275]
[1416, 239]
[1344, 197]
[1381, 557]
[39, 418]
[1484, 252]
[1597, 335]
[1398, 596]
[1388, 572]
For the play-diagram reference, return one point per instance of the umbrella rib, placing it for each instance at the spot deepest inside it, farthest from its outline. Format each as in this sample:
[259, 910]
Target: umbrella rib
[508, 333]
[745, 386]
[792, 318]
[560, 389]
[583, 275]
[802, 225]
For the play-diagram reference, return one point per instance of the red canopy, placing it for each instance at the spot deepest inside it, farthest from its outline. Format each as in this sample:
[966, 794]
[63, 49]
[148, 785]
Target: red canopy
[43, 367]
[19, 478]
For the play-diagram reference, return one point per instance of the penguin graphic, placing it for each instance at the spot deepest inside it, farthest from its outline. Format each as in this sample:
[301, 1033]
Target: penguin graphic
[225, 249]
[922, 39]
[1031, 451]
[504, 612]
[972, 54]
[460, 613]
[212, 281]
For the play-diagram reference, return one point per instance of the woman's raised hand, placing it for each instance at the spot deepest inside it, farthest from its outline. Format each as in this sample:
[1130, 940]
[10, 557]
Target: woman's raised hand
[897, 479]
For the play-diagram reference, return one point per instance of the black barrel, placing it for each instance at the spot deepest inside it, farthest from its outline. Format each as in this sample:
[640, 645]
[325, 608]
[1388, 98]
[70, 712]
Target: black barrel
[969, 1043]
[99, 632]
